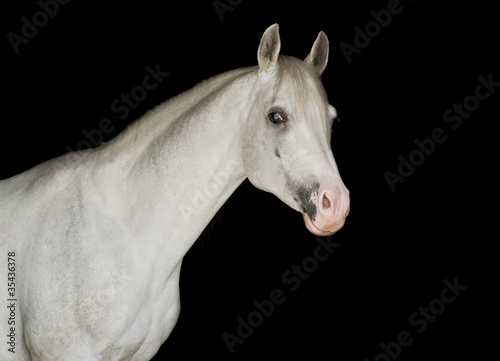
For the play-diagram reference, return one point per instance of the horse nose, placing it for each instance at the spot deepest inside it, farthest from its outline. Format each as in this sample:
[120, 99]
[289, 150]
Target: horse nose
[333, 206]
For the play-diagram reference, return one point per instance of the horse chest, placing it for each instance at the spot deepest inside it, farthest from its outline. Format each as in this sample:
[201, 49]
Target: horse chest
[122, 317]
[146, 333]
[155, 318]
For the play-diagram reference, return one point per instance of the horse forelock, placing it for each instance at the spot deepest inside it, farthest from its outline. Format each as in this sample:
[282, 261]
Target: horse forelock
[299, 81]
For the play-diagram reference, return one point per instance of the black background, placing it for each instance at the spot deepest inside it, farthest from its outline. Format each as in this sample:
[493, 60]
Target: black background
[396, 248]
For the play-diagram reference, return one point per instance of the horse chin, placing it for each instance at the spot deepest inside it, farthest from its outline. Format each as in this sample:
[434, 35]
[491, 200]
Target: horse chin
[313, 229]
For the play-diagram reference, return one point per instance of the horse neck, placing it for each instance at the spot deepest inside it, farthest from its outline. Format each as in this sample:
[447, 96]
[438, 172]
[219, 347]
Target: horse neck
[181, 161]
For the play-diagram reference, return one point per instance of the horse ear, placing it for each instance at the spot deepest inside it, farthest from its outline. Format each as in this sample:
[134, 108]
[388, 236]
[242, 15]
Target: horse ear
[269, 48]
[318, 57]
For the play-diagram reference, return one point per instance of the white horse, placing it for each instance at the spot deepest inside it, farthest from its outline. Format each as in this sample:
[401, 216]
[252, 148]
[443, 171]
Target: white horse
[93, 248]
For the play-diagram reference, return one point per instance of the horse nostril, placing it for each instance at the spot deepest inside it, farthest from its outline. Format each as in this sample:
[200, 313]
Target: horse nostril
[326, 201]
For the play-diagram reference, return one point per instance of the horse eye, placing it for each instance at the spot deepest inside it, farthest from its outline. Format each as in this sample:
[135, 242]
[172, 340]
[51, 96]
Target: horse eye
[276, 117]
